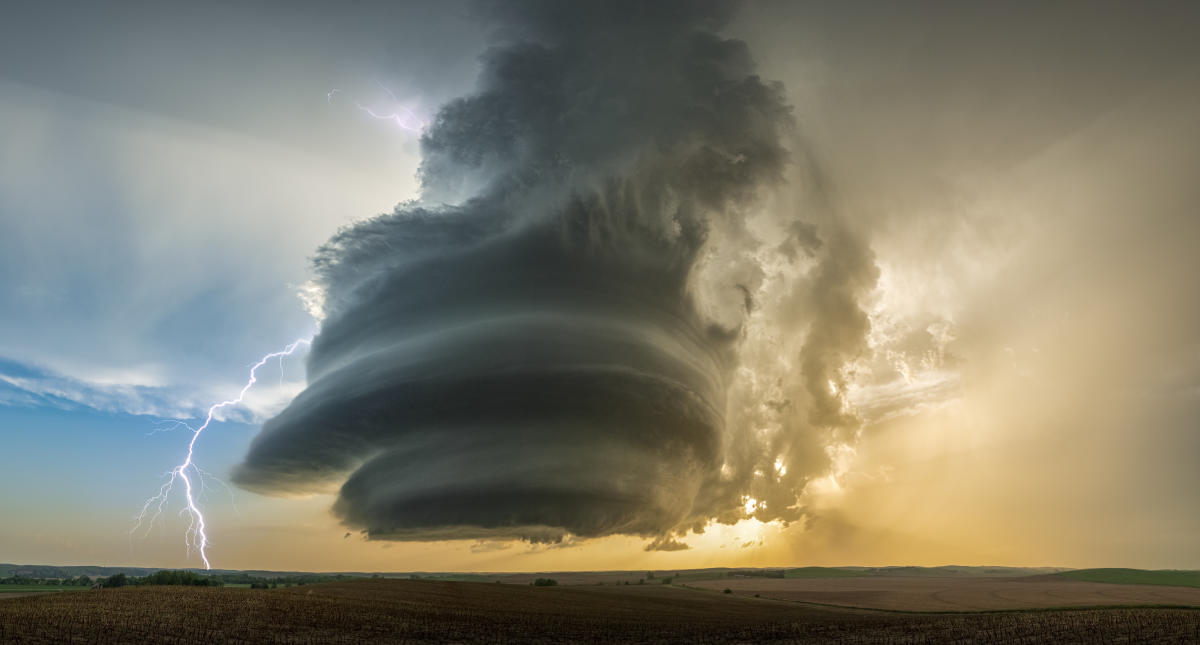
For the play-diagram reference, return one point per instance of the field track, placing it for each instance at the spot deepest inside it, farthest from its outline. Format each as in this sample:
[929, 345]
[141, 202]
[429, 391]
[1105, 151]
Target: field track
[956, 594]
[413, 611]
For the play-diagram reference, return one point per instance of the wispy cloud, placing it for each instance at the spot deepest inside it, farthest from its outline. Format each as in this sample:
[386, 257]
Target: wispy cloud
[138, 392]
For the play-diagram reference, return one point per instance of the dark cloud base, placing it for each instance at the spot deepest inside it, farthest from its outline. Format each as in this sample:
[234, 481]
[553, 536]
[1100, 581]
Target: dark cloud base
[541, 357]
[527, 383]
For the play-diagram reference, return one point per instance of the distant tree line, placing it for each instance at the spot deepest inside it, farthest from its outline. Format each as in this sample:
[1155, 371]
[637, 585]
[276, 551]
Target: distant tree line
[180, 578]
[159, 578]
[81, 581]
[281, 581]
[169, 577]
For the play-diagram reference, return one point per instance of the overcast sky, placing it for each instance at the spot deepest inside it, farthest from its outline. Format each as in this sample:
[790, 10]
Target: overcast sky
[1005, 194]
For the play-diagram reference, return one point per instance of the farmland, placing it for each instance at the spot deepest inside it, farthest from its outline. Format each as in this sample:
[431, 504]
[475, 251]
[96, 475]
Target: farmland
[1135, 577]
[425, 611]
[40, 588]
[955, 594]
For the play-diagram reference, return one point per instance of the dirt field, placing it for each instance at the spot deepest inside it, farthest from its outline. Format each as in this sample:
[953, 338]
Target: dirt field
[955, 594]
[415, 611]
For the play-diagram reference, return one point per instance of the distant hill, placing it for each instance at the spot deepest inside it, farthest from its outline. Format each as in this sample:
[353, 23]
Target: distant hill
[1119, 576]
[50, 571]
[53, 571]
[825, 572]
[957, 571]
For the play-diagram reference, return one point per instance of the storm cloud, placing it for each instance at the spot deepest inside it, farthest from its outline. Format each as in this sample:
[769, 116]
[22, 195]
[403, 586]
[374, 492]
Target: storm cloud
[567, 334]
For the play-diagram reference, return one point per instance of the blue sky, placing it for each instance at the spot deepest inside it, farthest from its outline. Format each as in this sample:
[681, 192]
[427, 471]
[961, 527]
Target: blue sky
[157, 213]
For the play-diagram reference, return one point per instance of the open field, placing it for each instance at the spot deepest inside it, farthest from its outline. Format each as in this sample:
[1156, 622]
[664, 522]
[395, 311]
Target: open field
[7, 591]
[392, 611]
[1136, 577]
[955, 594]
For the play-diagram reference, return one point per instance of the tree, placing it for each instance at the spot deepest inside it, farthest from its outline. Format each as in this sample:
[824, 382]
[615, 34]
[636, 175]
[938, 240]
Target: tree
[116, 580]
[180, 578]
[545, 582]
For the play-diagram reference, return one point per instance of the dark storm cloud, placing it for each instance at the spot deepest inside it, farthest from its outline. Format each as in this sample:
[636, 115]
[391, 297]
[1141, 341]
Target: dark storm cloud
[530, 358]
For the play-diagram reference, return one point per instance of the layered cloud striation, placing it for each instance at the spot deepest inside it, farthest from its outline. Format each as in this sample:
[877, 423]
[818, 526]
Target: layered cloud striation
[544, 344]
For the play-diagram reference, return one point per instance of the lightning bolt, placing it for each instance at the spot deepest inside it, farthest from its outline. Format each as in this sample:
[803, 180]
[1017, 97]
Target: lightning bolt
[196, 537]
[400, 115]
[405, 121]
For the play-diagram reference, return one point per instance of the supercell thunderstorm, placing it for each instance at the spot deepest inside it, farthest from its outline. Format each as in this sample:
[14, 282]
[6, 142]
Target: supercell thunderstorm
[593, 322]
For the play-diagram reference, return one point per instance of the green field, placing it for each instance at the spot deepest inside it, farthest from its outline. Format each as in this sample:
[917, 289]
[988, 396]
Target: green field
[1168, 577]
[30, 588]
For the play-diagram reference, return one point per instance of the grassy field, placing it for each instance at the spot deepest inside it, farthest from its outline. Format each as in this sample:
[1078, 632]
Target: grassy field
[31, 588]
[393, 611]
[1135, 577]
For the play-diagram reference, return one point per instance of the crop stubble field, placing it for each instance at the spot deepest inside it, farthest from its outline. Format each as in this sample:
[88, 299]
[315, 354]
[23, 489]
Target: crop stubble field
[404, 611]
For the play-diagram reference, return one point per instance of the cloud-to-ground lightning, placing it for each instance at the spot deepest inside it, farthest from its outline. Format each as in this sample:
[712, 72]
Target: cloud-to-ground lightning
[197, 534]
